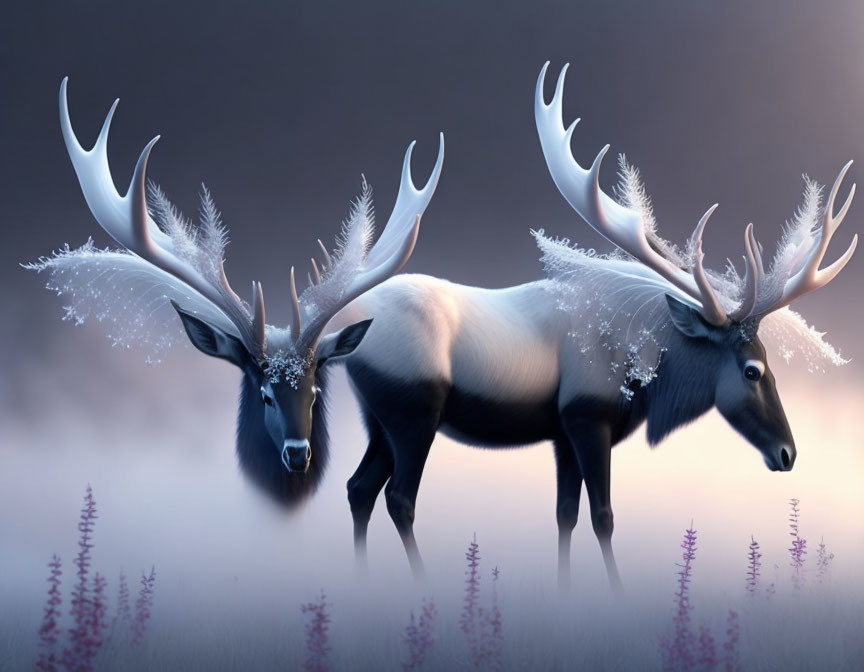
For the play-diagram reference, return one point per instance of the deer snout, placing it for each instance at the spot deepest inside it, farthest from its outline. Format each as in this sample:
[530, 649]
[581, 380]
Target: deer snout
[296, 455]
[781, 458]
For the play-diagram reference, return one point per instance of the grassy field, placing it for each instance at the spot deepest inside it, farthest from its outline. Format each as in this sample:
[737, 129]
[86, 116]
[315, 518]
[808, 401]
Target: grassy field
[804, 618]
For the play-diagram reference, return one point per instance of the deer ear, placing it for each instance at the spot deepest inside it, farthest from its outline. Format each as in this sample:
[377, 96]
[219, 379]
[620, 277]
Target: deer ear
[343, 342]
[688, 321]
[211, 340]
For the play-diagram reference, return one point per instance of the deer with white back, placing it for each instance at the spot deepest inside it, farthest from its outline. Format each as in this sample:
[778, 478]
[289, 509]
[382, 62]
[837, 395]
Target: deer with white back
[585, 356]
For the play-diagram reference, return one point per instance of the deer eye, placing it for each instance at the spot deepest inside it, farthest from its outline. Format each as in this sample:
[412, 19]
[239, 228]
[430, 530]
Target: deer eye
[753, 369]
[266, 398]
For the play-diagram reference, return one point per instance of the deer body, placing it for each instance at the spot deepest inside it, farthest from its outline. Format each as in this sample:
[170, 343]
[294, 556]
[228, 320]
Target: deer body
[502, 367]
[581, 358]
[498, 368]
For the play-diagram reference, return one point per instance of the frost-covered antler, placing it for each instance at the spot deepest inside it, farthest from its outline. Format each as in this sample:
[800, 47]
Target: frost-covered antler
[353, 270]
[169, 261]
[796, 271]
[126, 220]
[622, 226]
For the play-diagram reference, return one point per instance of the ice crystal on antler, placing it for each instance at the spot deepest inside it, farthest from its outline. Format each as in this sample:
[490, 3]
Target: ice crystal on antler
[203, 247]
[618, 303]
[131, 298]
[127, 296]
[352, 245]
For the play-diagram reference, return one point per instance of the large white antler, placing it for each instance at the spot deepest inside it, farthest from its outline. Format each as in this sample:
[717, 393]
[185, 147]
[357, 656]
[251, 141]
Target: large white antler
[389, 254]
[803, 274]
[199, 275]
[622, 226]
[126, 220]
[762, 292]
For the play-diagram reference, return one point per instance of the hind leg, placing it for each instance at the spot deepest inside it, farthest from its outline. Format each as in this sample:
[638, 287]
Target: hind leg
[363, 487]
[569, 479]
[410, 452]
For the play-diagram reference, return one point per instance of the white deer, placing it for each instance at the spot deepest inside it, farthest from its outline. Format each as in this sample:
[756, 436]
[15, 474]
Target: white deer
[582, 357]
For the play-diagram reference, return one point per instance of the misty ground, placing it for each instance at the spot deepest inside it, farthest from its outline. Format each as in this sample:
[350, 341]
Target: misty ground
[232, 572]
[818, 629]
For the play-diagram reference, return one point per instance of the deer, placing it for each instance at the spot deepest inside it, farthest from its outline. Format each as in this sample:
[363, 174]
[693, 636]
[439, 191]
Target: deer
[166, 268]
[583, 357]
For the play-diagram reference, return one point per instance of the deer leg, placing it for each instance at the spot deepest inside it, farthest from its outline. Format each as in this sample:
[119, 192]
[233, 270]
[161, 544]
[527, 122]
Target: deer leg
[569, 479]
[363, 488]
[401, 493]
[593, 445]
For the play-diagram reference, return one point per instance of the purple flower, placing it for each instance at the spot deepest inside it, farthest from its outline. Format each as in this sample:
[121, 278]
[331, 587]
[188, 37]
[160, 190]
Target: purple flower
[419, 636]
[317, 627]
[79, 656]
[143, 606]
[798, 549]
[753, 566]
[677, 651]
[731, 655]
[49, 633]
[823, 561]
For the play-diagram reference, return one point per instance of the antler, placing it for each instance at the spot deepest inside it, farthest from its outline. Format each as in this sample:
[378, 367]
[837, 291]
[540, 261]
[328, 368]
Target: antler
[626, 229]
[621, 226]
[804, 275]
[386, 258]
[126, 220]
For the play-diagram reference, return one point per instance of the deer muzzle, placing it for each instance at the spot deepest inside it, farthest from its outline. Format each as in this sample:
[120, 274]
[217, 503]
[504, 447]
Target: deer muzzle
[296, 455]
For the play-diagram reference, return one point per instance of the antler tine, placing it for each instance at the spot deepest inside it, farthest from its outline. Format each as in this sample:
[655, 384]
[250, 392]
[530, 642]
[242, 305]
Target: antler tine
[810, 277]
[126, 220]
[295, 307]
[753, 276]
[315, 273]
[327, 260]
[620, 225]
[223, 279]
[389, 253]
[258, 323]
[712, 309]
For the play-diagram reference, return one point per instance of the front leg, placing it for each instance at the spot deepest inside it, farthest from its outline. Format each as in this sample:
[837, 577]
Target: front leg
[593, 443]
[567, 510]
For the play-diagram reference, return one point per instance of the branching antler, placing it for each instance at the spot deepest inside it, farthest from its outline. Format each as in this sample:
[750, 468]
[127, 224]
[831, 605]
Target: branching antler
[804, 275]
[386, 258]
[620, 225]
[625, 227]
[126, 220]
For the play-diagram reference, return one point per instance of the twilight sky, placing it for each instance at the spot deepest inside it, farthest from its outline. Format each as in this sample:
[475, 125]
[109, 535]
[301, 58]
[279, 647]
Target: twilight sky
[279, 108]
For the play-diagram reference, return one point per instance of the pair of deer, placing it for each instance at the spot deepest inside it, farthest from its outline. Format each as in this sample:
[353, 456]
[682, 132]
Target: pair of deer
[490, 367]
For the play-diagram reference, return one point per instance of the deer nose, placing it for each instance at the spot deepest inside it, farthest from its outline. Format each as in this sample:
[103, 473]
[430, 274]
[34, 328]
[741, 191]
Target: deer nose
[296, 454]
[787, 457]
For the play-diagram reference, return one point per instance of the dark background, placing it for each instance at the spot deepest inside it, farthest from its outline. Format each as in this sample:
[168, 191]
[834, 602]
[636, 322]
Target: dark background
[279, 107]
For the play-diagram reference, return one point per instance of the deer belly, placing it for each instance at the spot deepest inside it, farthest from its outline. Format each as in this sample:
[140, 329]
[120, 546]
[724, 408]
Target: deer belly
[476, 420]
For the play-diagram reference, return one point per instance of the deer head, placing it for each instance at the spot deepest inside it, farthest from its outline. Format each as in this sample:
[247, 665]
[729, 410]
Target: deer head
[164, 260]
[716, 316]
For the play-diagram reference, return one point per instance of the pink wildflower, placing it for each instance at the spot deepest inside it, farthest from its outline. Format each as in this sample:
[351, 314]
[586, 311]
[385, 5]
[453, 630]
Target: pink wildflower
[49, 633]
[317, 627]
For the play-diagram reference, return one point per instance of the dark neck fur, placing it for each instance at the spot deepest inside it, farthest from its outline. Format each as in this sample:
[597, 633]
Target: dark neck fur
[260, 459]
[683, 389]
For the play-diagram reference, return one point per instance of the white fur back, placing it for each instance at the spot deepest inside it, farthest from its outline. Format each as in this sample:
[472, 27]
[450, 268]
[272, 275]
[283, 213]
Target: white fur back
[500, 344]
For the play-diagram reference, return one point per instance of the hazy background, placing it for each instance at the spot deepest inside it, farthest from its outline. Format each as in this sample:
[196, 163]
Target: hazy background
[279, 107]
